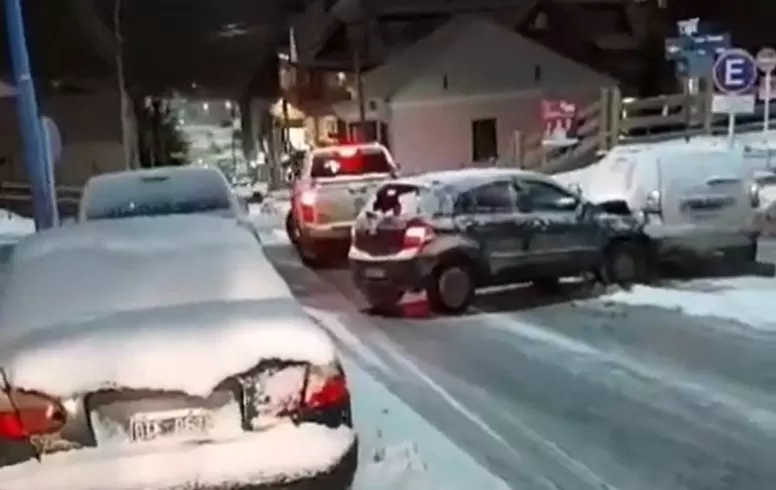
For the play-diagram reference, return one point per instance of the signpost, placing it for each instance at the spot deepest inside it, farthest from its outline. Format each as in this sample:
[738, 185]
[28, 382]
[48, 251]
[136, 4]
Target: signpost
[558, 117]
[694, 49]
[766, 62]
[734, 75]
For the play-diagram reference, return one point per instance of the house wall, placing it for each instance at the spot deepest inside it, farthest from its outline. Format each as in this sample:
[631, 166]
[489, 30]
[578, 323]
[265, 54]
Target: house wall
[436, 135]
[90, 125]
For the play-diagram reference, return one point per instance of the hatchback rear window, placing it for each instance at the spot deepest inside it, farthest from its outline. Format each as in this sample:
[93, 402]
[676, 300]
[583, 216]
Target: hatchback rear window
[338, 163]
[401, 199]
[143, 195]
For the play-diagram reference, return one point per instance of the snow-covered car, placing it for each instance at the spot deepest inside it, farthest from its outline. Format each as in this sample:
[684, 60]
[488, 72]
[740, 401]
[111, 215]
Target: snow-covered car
[144, 354]
[157, 192]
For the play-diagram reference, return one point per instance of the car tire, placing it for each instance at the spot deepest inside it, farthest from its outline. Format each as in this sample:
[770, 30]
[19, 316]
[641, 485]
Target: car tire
[746, 254]
[291, 229]
[309, 255]
[383, 301]
[625, 263]
[451, 288]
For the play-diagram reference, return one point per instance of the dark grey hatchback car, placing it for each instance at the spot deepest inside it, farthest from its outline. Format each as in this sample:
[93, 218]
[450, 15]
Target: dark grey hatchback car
[449, 233]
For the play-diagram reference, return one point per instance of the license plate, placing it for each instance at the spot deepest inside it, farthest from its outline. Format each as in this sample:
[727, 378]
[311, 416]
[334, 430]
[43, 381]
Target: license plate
[173, 424]
[374, 273]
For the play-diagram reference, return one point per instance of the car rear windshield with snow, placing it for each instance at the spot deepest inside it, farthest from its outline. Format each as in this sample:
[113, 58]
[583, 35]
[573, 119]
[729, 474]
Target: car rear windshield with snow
[401, 199]
[341, 163]
[158, 195]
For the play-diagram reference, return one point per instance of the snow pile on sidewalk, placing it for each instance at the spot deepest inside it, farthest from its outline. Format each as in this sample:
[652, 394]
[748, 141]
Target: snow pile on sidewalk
[14, 226]
[271, 212]
[743, 299]
[399, 450]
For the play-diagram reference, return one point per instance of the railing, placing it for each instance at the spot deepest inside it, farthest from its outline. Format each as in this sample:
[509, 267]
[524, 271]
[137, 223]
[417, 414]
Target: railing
[613, 121]
[17, 197]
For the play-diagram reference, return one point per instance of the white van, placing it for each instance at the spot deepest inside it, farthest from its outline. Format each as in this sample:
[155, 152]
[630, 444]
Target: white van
[698, 200]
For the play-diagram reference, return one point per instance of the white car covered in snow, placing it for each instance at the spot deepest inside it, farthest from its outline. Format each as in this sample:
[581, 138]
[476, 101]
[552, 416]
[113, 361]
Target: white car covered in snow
[142, 353]
[158, 192]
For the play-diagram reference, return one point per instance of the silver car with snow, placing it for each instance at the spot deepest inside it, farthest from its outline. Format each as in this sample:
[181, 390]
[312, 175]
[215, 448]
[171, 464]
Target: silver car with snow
[143, 353]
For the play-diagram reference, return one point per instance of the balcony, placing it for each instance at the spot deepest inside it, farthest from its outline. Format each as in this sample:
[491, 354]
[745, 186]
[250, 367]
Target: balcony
[313, 91]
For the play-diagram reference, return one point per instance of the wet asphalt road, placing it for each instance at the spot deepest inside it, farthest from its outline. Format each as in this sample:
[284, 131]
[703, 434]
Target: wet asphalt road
[549, 393]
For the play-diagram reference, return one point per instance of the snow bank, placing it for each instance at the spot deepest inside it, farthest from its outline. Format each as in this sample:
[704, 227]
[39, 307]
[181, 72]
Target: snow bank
[142, 302]
[271, 213]
[746, 299]
[14, 226]
[285, 451]
[399, 450]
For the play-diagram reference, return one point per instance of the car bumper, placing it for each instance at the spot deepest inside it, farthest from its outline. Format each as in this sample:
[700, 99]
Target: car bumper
[288, 457]
[337, 231]
[701, 242]
[399, 275]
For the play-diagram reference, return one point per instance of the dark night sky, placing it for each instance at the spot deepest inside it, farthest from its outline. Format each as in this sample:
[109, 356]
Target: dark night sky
[169, 43]
[172, 43]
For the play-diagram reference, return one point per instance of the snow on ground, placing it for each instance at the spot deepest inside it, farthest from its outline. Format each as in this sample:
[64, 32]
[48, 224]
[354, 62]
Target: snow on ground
[283, 451]
[747, 300]
[13, 226]
[399, 450]
[271, 212]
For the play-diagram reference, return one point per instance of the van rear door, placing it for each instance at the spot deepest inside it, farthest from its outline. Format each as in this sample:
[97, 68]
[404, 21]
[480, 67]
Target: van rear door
[706, 190]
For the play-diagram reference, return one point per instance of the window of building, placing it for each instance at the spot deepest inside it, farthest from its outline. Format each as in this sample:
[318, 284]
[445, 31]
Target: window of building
[484, 140]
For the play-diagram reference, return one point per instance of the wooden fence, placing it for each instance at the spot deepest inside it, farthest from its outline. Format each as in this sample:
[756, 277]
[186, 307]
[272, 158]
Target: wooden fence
[614, 120]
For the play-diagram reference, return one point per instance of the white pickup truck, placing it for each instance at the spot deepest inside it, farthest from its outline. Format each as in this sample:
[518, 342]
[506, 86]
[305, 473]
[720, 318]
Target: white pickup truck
[330, 190]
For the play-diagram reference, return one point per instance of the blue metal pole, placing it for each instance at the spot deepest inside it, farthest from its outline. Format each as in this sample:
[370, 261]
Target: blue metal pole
[29, 117]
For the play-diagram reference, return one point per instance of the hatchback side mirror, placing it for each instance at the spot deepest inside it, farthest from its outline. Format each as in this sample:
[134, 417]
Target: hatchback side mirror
[29, 413]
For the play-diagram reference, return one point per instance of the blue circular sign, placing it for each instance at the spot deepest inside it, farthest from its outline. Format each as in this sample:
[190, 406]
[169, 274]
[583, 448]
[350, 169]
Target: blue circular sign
[735, 72]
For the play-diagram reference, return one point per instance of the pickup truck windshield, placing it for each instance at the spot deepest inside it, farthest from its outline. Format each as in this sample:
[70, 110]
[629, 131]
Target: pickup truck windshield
[338, 163]
[132, 196]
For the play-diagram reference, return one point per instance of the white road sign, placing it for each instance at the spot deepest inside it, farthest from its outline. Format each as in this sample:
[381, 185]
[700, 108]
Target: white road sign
[766, 59]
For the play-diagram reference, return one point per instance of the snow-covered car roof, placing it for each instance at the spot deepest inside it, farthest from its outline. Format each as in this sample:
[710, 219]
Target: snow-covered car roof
[467, 178]
[177, 302]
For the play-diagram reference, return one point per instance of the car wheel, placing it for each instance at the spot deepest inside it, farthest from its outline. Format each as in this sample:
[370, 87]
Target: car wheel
[746, 254]
[625, 264]
[309, 256]
[451, 289]
[291, 230]
[383, 301]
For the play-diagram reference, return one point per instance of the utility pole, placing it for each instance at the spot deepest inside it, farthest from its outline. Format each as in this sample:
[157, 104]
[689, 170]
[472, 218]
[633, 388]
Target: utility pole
[358, 65]
[125, 105]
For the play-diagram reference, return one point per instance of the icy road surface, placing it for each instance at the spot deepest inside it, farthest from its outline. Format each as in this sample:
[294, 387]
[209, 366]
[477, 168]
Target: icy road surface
[658, 388]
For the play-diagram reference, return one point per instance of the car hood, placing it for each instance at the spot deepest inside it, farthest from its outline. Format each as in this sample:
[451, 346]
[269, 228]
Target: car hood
[190, 348]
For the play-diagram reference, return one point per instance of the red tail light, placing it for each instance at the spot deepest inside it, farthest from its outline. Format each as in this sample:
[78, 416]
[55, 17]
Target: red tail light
[417, 234]
[307, 202]
[326, 387]
[30, 414]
